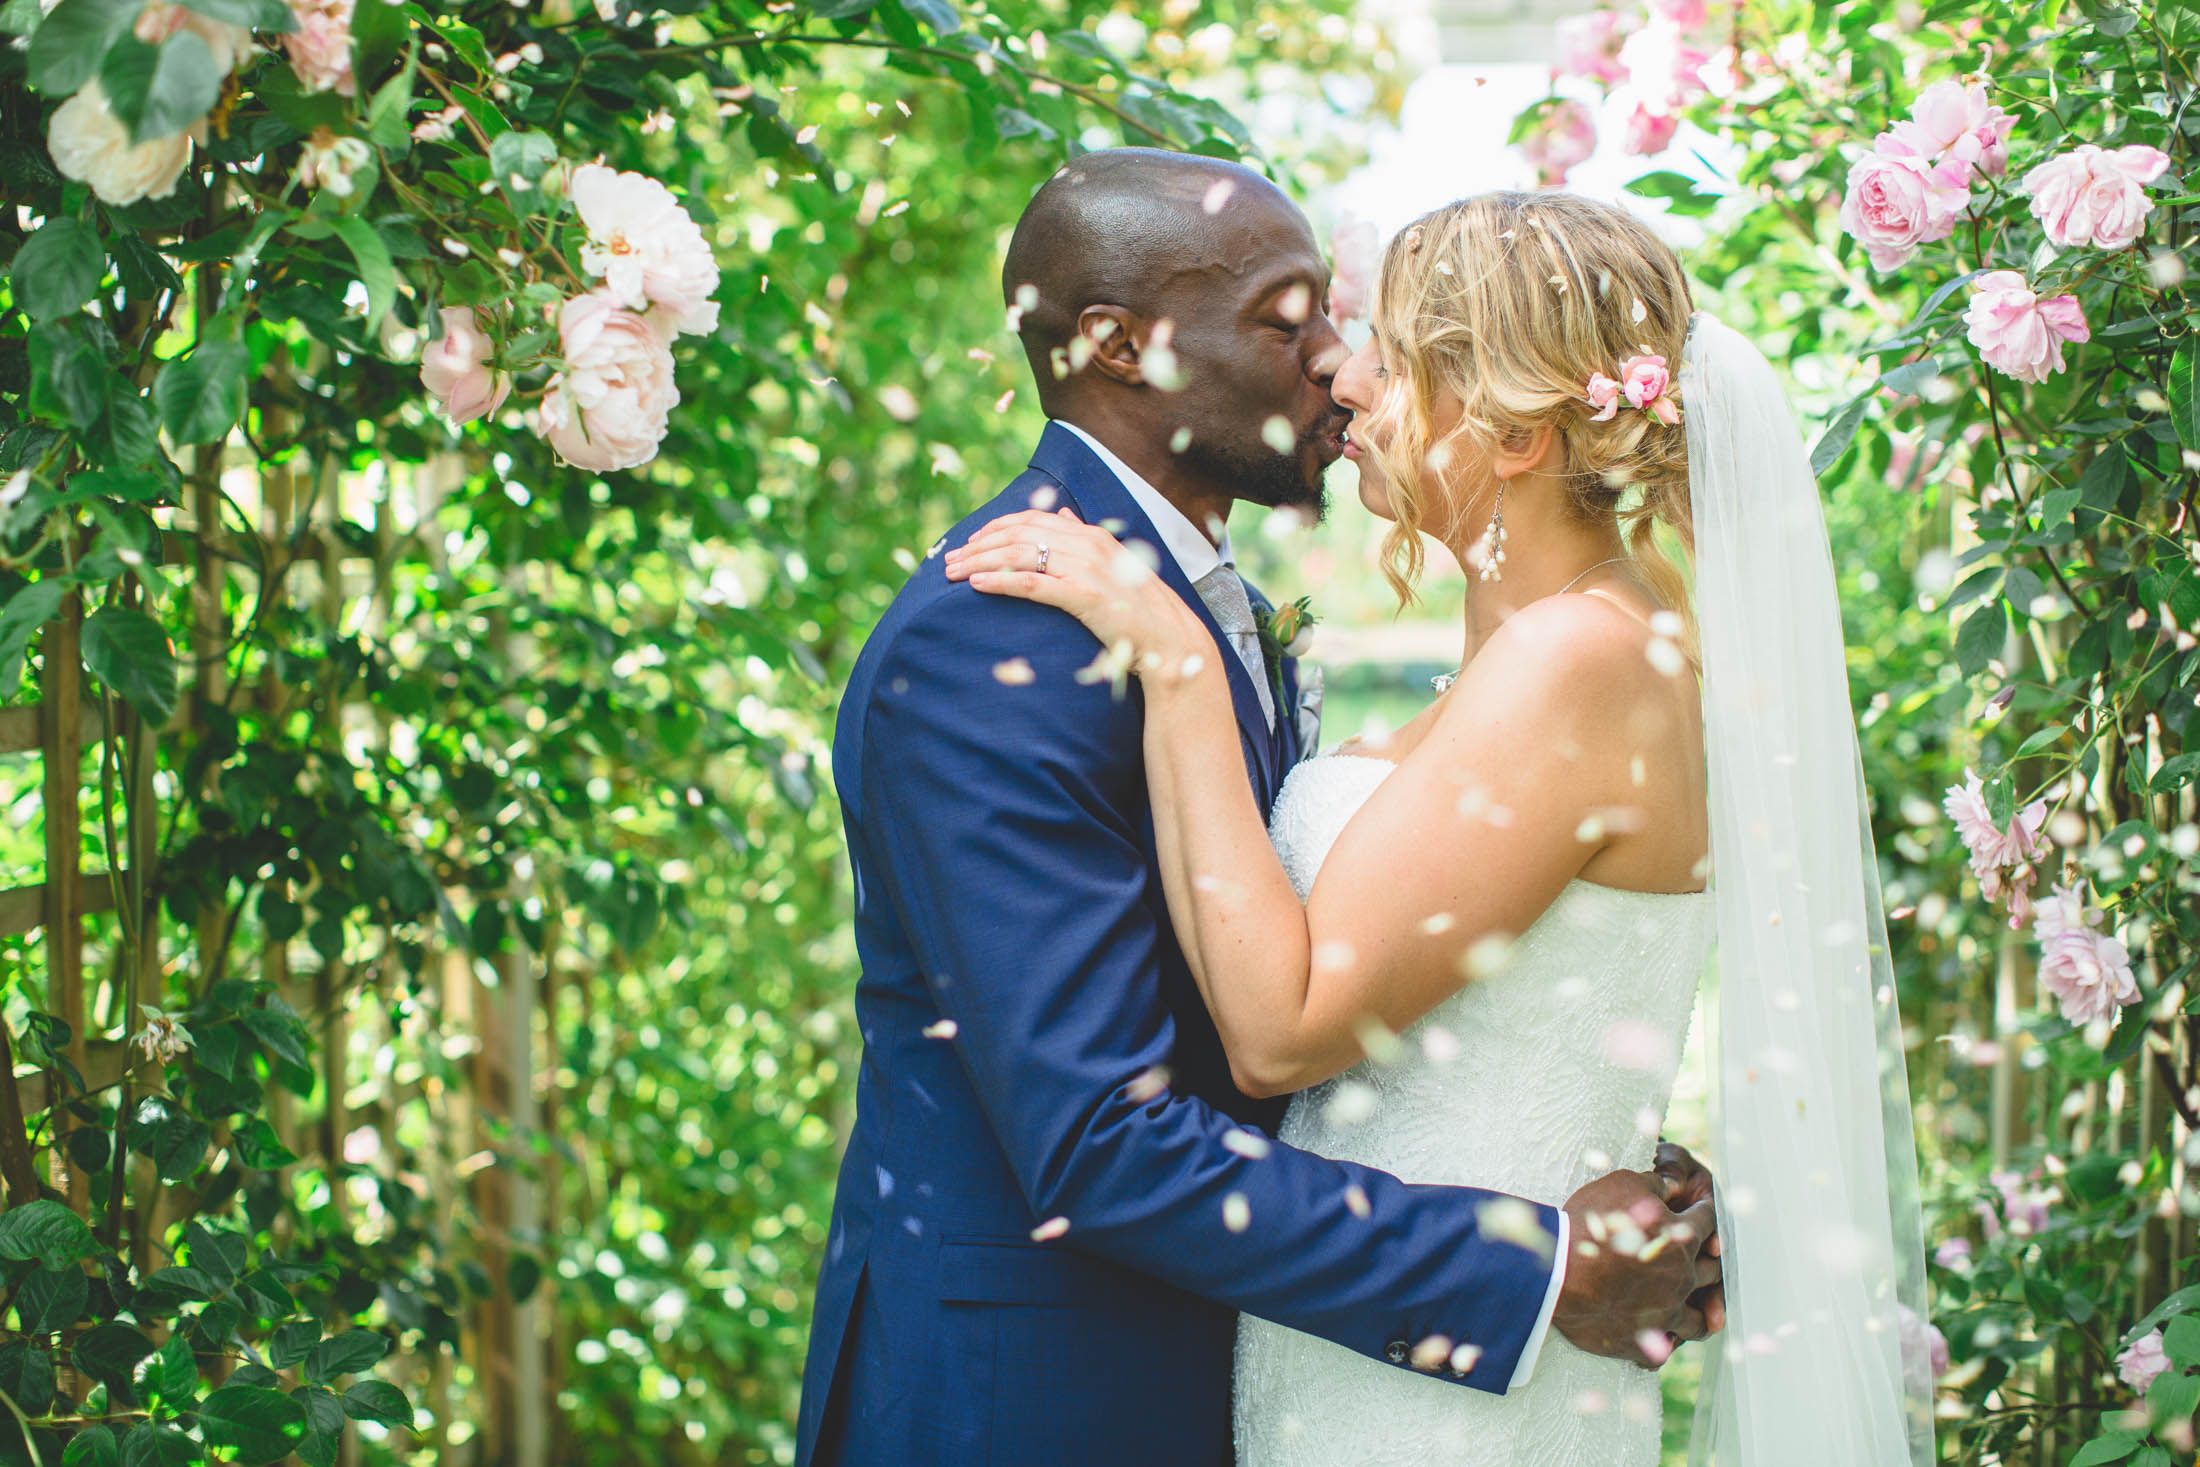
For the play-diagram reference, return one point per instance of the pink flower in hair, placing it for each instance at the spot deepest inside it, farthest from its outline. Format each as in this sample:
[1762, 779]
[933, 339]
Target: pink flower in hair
[1644, 380]
[1603, 395]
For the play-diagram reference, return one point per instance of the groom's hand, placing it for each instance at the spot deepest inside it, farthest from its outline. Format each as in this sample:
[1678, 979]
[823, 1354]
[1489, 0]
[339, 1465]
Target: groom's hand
[1688, 1182]
[1639, 1271]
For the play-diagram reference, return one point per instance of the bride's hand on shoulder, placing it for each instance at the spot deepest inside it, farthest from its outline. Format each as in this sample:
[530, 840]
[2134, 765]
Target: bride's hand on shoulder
[1059, 560]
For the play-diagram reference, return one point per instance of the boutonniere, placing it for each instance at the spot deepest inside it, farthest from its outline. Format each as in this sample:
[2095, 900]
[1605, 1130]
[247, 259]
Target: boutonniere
[1287, 631]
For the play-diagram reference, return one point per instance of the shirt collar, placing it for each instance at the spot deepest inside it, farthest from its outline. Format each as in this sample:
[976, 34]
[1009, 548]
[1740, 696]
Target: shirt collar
[1183, 539]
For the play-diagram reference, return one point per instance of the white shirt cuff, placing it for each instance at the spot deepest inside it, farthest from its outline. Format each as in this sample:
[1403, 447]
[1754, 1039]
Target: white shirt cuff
[1542, 1330]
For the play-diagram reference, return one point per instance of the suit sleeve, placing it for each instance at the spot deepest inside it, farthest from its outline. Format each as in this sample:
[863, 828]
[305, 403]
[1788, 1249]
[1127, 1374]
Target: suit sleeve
[1010, 817]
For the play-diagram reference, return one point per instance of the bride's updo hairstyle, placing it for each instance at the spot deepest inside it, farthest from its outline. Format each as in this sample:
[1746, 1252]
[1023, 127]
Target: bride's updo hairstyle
[1512, 301]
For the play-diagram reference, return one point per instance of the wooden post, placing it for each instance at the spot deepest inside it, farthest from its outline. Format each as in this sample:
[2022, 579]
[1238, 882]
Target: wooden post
[60, 700]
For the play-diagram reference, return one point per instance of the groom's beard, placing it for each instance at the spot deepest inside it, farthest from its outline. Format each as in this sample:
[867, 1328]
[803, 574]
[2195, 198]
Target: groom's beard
[1260, 475]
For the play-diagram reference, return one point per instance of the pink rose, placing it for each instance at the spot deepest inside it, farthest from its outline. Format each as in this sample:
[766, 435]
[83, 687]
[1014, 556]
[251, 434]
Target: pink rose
[1604, 396]
[1953, 1252]
[2018, 333]
[606, 408]
[649, 251]
[1644, 380]
[1588, 45]
[1354, 249]
[1686, 15]
[2024, 1208]
[2138, 1366]
[1663, 66]
[1994, 851]
[320, 48]
[1564, 137]
[455, 369]
[2094, 196]
[2088, 972]
[1894, 205]
[1649, 132]
[1959, 121]
[1923, 1345]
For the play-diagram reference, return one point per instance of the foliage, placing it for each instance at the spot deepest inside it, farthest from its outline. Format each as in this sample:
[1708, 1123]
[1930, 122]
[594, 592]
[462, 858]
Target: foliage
[2019, 576]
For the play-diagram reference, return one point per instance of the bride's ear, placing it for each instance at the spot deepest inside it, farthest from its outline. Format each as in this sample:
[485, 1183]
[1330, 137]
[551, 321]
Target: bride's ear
[1526, 453]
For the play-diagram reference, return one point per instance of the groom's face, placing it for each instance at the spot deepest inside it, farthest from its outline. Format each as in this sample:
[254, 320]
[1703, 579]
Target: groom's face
[1258, 352]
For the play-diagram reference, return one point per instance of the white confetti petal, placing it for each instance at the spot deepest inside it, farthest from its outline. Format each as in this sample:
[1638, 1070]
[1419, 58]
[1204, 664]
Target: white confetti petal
[943, 1029]
[1249, 1144]
[1049, 1230]
[1237, 1213]
[1355, 1201]
[1015, 672]
[1277, 434]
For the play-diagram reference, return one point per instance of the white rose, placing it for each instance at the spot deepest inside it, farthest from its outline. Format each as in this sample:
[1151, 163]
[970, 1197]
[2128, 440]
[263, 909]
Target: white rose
[648, 250]
[90, 144]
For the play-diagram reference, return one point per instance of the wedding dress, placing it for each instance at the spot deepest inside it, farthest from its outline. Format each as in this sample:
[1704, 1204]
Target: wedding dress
[1532, 1081]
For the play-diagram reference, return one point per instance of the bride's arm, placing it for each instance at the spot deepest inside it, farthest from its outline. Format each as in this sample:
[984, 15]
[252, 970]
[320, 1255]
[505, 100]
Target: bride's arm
[1454, 855]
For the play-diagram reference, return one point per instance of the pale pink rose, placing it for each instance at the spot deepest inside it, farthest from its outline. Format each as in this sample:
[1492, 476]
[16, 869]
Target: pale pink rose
[2018, 333]
[91, 145]
[1354, 250]
[1686, 15]
[1663, 66]
[1893, 205]
[1588, 45]
[1966, 806]
[649, 251]
[1564, 138]
[2024, 1206]
[1649, 132]
[2094, 196]
[606, 407]
[1953, 1252]
[1958, 120]
[1603, 395]
[160, 19]
[320, 48]
[2138, 1366]
[455, 369]
[1644, 380]
[1923, 1345]
[2088, 972]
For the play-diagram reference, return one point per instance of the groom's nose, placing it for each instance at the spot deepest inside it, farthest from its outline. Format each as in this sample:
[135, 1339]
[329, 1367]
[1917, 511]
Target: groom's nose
[1326, 352]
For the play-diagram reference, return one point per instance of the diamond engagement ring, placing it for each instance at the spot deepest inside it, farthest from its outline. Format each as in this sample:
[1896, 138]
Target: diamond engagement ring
[1043, 552]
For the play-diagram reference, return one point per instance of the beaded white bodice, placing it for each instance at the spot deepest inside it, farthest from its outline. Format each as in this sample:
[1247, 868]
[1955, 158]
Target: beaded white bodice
[1533, 1081]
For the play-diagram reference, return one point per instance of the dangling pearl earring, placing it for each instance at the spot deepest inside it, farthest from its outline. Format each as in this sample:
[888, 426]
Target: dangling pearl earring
[1492, 543]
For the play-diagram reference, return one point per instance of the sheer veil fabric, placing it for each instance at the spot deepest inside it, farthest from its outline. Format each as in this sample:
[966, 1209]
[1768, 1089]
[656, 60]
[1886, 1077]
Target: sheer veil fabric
[1823, 1363]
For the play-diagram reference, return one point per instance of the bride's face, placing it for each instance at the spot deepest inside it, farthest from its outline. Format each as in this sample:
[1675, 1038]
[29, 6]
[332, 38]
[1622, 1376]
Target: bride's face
[1363, 387]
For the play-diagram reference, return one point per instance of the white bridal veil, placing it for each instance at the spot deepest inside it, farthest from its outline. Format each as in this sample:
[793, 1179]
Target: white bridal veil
[1810, 1128]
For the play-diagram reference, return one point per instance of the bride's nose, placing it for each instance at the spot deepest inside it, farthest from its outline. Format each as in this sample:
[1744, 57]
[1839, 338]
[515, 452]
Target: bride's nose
[1354, 382]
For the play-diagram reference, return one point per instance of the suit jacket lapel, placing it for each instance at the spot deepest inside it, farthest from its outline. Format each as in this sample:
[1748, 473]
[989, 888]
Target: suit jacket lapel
[1097, 495]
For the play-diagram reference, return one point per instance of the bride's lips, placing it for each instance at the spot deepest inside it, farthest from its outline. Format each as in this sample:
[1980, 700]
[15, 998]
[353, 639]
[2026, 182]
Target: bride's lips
[1352, 448]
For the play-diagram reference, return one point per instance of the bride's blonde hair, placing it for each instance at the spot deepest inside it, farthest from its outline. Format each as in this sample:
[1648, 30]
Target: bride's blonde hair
[1511, 301]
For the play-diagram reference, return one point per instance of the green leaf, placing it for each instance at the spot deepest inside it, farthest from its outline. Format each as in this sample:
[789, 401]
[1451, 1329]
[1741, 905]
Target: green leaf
[47, 1231]
[2151, 1457]
[840, 9]
[57, 270]
[1677, 189]
[259, 15]
[2040, 738]
[94, 1446]
[173, 1374]
[190, 1283]
[937, 14]
[1979, 639]
[1827, 451]
[377, 34]
[72, 42]
[292, 1343]
[151, 1445]
[324, 1425]
[68, 375]
[376, 272]
[159, 91]
[255, 1424]
[280, 1032]
[2174, 774]
[389, 115]
[2181, 1340]
[2173, 1397]
[52, 1299]
[346, 1354]
[1012, 123]
[109, 1354]
[257, 1145]
[26, 1375]
[378, 1400]
[2114, 1447]
[2184, 394]
[201, 396]
[128, 651]
[21, 615]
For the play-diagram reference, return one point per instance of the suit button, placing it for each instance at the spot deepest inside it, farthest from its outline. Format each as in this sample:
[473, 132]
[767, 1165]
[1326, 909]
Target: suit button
[1396, 1351]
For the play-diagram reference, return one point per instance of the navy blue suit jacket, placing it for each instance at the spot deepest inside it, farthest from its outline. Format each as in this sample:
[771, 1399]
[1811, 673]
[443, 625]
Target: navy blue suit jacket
[1021, 989]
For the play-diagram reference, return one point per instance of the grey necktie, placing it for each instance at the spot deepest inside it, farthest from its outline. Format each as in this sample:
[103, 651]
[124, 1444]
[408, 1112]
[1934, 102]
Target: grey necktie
[1225, 596]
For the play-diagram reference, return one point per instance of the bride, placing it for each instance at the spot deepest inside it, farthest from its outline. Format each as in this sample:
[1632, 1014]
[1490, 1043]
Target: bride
[1471, 948]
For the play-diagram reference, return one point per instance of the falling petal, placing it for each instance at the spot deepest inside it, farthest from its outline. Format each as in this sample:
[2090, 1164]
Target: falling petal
[1439, 1044]
[1000, 404]
[1431, 1353]
[1148, 1084]
[1027, 297]
[900, 403]
[942, 1029]
[1356, 1203]
[1331, 956]
[1656, 1345]
[1376, 1038]
[1637, 312]
[1634, 1044]
[1510, 1220]
[1237, 1213]
[1353, 1104]
[1295, 304]
[1277, 434]
[1665, 656]
[1465, 1358]
[1049, 1230]
[1439, 924]
[1488, 957]
[1180, 440]
[1249, 1144]
[1016, 672]
[1218, 194]
[1044, 497]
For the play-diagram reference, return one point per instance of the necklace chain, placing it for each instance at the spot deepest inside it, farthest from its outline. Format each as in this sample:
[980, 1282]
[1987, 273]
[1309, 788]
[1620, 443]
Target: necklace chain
[1442, 681]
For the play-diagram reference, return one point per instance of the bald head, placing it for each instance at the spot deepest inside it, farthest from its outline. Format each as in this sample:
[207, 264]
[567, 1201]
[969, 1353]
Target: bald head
[1139, 228]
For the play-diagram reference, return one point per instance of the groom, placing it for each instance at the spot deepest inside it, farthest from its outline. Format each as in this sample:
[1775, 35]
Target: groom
[1054, 1201]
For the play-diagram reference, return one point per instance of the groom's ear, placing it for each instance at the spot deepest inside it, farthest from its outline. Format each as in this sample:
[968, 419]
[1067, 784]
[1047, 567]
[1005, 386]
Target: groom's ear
[1117, 337]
